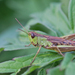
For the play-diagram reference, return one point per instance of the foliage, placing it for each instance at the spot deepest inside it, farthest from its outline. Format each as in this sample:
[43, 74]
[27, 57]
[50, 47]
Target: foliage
[53, 22]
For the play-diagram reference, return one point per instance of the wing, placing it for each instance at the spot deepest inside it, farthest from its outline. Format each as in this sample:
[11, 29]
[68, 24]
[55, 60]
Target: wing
[69, 37]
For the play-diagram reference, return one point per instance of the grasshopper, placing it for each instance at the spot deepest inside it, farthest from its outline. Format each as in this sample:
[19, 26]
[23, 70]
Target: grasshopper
[59, 44]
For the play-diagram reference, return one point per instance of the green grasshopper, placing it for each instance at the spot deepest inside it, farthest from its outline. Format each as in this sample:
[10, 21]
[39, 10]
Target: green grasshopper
[59, 44]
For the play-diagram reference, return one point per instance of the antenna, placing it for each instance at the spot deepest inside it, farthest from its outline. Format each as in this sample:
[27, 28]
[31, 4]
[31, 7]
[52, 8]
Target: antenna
[22, 26]
[21, 30]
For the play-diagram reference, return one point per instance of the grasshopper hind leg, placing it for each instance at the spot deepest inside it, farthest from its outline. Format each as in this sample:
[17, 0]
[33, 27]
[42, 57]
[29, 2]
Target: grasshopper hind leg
[56, 48]
[60, 52]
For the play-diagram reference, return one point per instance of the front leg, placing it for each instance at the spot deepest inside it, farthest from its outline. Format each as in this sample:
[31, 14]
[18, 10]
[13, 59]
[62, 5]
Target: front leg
[27, 45]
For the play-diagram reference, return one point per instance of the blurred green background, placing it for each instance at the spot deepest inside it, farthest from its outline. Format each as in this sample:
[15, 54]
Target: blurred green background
[22, 10]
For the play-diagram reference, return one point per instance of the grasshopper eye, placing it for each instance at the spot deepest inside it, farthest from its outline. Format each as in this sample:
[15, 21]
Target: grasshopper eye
[32, 35]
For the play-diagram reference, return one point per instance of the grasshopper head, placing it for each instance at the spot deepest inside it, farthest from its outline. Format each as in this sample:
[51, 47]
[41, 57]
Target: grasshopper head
[32, 35]
[33, 38]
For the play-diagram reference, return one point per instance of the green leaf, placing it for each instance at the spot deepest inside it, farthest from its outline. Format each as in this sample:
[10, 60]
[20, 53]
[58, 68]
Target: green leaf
[67, 59]
[53, 19]
[42, 72]
[19, 43]
[14, 74]
[32, 68]
[56, 71]
[70, 69]
[71, 14]
[46, 27]
[41, 60]
[17, 47]
[64, 6]
[1, 49]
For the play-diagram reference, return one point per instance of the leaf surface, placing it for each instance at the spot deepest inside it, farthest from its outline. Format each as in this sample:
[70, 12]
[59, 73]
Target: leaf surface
[17, 63]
